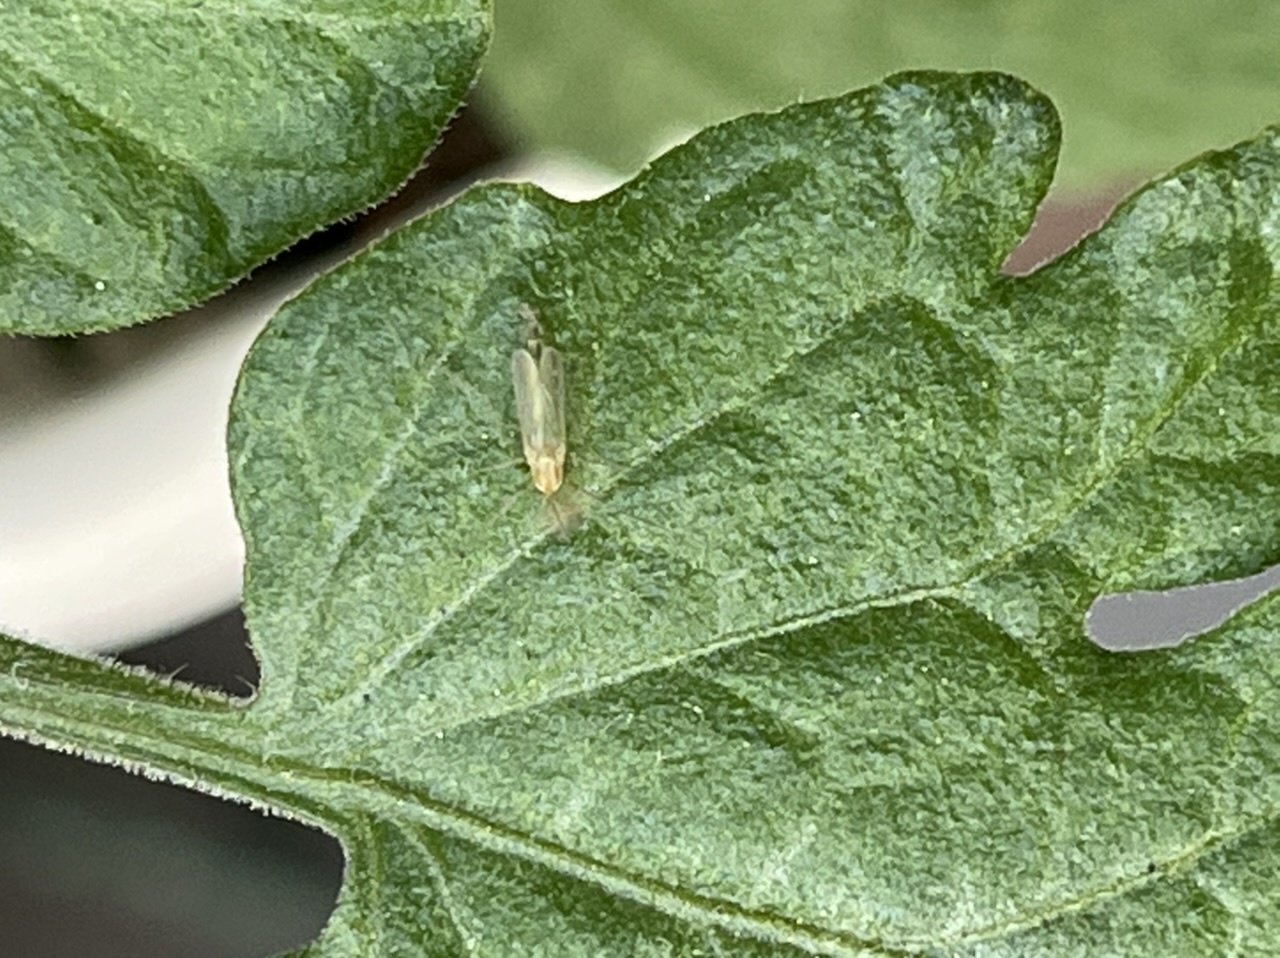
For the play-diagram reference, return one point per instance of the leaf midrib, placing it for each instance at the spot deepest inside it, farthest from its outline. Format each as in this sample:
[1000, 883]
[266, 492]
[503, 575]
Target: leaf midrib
[312, 790]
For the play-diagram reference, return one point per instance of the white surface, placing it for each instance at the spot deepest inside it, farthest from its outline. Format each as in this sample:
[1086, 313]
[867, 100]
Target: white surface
[115, 520]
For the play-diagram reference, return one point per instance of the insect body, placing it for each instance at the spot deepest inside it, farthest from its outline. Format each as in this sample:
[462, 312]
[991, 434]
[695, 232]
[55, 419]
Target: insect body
[538, 376]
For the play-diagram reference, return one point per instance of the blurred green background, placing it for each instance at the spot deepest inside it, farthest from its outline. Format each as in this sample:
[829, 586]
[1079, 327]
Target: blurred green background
[1142, 85]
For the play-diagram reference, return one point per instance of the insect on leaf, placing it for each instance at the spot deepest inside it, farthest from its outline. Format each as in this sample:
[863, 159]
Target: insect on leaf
[539, 385]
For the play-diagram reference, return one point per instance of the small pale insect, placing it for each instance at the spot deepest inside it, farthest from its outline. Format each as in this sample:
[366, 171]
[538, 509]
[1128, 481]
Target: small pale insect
[538, 376]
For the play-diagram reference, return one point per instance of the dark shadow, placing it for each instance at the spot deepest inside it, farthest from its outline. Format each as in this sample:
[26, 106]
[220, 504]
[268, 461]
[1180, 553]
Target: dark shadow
[95, 861]
[214, 654]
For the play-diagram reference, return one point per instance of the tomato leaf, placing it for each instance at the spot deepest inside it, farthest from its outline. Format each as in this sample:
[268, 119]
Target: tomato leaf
[155, 153]
[806, 673]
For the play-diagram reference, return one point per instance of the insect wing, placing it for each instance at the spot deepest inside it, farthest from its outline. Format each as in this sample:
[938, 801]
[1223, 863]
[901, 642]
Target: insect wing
[551, 374]
[539, 388]
[529, 399]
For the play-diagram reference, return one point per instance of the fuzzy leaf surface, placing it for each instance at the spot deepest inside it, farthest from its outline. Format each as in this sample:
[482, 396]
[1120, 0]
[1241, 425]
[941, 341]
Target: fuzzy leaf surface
[806, 672]
[152, 153]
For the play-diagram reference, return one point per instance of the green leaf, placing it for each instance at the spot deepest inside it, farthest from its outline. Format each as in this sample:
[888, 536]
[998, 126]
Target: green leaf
[1143, 83]
[795, 663]
[153, 153]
